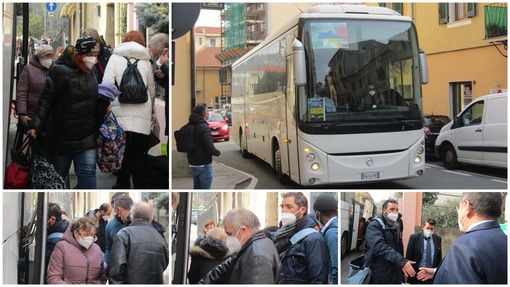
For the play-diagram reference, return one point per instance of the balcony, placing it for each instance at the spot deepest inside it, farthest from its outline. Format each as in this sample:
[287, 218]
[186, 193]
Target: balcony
[496, 22]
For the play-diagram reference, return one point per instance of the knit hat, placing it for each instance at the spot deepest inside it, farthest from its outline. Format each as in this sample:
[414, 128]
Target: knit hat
[109, 90]
[43, 50]
[325, 202]
[86, 45]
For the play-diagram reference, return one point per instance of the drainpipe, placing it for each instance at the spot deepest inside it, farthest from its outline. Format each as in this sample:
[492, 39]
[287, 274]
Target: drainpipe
[193, 69]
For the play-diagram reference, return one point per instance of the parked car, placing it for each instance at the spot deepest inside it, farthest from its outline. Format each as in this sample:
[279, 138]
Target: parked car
[478, 135]
[432, 125]
[219, 127]
[228, 114]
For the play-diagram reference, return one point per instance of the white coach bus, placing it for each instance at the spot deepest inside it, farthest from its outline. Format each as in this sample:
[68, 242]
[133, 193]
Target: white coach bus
[301, 99]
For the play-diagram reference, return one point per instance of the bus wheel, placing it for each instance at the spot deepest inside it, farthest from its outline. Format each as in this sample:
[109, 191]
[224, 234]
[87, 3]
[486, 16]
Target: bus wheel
[242, 144]
[284, 179]
[343, 245]
[449, 157]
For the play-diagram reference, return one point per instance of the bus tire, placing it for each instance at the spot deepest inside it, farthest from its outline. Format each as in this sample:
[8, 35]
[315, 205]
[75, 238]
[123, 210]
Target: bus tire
[283, 178]
[242, 145]
[449, 157]
[343, 245]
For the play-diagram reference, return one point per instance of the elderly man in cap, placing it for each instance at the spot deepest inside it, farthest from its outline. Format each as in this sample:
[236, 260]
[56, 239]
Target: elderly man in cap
[326, 214]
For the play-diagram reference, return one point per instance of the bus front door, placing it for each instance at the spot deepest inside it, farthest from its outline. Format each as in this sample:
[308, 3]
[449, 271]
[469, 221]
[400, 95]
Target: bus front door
[292, 143]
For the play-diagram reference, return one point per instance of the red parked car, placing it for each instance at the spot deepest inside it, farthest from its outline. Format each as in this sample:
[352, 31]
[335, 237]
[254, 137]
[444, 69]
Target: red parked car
[219, 127]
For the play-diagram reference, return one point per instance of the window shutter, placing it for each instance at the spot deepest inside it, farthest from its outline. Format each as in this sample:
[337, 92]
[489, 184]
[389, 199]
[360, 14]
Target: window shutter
[471, 10]
[443, 13]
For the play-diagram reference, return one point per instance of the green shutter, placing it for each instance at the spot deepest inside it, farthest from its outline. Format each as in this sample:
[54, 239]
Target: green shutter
[443, 13]
[399, 7]
[471, 10]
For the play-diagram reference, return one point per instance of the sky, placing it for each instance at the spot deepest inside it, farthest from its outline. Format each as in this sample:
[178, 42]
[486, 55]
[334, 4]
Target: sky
[209, 18]
[379, 195]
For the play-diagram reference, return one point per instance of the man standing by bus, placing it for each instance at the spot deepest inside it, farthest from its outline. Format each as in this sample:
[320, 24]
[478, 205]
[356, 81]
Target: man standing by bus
[326, 214]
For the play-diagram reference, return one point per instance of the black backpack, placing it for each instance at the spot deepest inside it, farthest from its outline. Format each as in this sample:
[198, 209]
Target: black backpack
[185, 138]
[132, 89]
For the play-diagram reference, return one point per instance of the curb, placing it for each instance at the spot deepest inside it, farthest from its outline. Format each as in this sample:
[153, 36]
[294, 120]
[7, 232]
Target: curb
[251, 178]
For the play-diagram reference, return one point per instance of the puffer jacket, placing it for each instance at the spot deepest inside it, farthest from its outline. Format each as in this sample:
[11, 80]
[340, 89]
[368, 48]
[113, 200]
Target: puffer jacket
[203, 139]
[386, 252]
[307, 261]
[139, 255]
[209, 253]
[67, 108]
[132, 117]
[30, 87]
[70, 263]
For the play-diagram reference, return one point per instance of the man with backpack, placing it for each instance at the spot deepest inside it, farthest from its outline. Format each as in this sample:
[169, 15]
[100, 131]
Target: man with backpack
[386, 248]
[201, 147]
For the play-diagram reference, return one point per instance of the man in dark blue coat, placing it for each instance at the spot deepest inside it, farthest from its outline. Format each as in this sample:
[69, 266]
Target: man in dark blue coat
[424, 248]
[386, 249]
[480, 255]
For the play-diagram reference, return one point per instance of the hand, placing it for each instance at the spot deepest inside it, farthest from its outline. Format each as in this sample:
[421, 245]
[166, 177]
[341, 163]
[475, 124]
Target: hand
[425, 273]
[109, 109]
[32, 133]
[163, 58]
[408, 269]
[159, 74]
[25, 120]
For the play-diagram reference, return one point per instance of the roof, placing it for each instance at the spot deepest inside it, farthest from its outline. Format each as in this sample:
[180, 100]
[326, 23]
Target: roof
[208, 30]
[206, 57]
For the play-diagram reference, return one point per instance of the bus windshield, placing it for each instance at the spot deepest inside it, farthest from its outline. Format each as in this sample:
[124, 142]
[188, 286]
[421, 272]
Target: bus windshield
[364, 77]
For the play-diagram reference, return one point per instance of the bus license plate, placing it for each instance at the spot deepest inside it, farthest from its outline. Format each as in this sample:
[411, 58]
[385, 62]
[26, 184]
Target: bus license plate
[370, 175]
[215, 133]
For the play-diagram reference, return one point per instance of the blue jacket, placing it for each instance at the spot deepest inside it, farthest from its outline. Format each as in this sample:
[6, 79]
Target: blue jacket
[112, 228]
[331, 236]
[477, 257]
[306, 261]
[387, 254]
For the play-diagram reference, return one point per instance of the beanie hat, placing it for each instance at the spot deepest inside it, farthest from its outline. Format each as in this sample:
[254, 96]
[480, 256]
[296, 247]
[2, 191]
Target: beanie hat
[43, 50]
[325, 202]
[86, 45]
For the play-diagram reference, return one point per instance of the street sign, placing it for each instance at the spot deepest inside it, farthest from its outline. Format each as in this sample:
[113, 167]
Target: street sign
[51, 6]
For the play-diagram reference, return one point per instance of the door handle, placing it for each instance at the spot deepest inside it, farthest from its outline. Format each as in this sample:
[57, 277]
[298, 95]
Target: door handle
[478, 130]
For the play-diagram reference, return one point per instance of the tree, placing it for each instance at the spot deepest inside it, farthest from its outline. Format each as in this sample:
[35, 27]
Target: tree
[36, 26]
[429, 198]
[161, 199]
[155, 16]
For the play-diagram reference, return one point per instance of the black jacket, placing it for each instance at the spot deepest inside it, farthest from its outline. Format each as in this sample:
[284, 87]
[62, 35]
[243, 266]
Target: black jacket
[387, 253]
[203, 138]
[256, 263]
[67, 108]
[208, 253]
[102, 61]
[139, 255]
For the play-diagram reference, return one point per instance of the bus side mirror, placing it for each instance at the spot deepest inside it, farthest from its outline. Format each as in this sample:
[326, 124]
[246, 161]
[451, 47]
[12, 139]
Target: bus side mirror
[299, 63]
[424, 68]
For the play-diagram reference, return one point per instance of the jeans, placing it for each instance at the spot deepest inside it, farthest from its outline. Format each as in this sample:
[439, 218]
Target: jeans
[202, 177]
[84, 167]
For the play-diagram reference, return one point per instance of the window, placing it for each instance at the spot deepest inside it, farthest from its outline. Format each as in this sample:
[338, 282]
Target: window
[399, 7]
[451, 12]
[200, 41]
[473, 115]
[212, 42]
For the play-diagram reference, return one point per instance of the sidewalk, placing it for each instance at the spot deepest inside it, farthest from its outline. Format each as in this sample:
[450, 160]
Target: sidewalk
[224, 177]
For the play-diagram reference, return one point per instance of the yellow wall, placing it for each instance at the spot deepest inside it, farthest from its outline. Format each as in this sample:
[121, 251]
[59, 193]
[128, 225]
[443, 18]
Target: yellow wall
[207, 85]
[281, 13]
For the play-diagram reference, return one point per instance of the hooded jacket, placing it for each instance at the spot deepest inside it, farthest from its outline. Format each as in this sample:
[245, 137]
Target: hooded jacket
[71, 263]
[30, 87]
[306, 261]
[132, 117]
[139, 255]
[209, 253]
[203, 139]
[67, 108]
[54, 235]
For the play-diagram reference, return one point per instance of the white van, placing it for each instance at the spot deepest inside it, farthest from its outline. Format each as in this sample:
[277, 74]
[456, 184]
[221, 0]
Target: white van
[478, 135]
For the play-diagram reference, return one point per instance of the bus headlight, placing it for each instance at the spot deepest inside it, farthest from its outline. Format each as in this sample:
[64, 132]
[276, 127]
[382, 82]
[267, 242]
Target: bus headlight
[315, 166]
[420, 150]
[310, 157]
[417, 159]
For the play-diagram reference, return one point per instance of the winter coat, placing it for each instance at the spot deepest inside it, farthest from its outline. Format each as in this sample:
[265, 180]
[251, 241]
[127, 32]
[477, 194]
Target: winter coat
[101, 234]
[477, 257]
[67, 108]
[386, 253]
[331, 235]
[102, 61]
[306, 261]
[30, 87]
[139, 255]
[203, 139]
[132, 117]
[256, 263]
[112, 228]
[209, 253]
[54, 235]
[71, 263]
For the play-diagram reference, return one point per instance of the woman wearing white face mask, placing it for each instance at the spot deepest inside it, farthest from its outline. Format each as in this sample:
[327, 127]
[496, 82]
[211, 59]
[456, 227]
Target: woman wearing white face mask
[69, 112]
[78, 256]
[30, 86]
